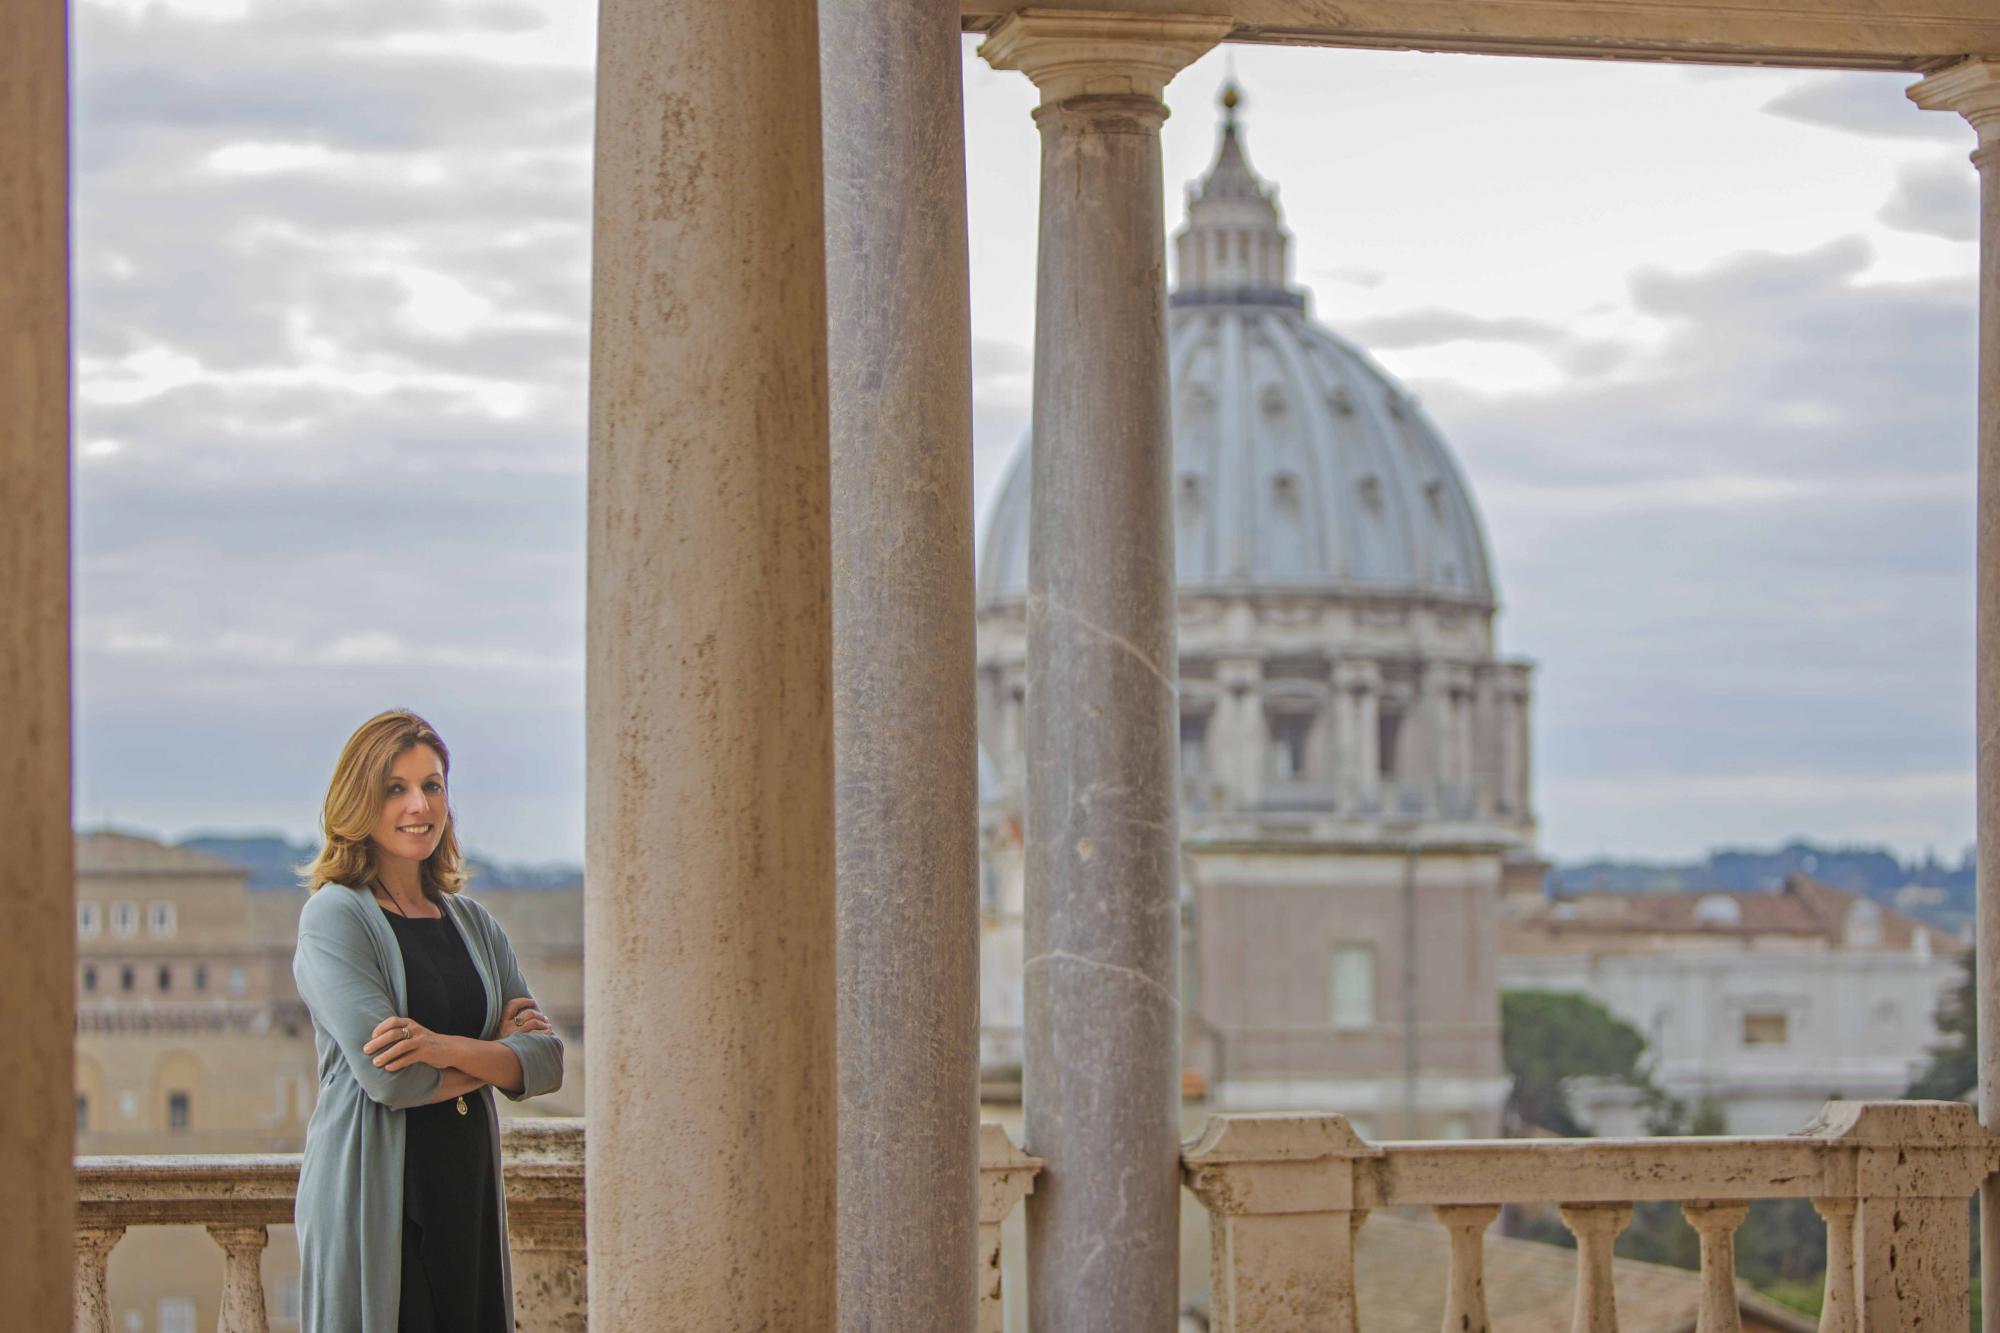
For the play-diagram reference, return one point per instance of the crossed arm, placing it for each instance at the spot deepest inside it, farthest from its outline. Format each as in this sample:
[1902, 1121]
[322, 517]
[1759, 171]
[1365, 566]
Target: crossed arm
[464, 1063]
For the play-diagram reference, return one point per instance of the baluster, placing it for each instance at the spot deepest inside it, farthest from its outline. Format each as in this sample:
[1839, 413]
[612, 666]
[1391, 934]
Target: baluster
[1006, 1176]
[1465, 1302]
[242, 1276]
[1716, 1224]
[1595, 1226]
[93, 1260]
[1836, 1313]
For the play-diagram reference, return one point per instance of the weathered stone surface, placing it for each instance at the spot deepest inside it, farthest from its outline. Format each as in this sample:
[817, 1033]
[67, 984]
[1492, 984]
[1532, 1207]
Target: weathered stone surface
[1006, 1176]
[545, 1238]
[1101, 1073]
[709, 914]
[906, 795]
[38, 948]
[1878, 34]
[1891, 1179]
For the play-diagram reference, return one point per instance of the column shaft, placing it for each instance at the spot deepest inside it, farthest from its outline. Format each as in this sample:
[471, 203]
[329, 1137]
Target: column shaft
[37, 877]
[1987, 705]
[709, 911]
[1972, 88]
[905, 734]
[1102, 1066]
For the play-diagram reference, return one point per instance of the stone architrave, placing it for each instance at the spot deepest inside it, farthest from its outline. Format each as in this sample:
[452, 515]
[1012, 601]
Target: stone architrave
[38, 948]
[905, 738]
[709, 917]
[1972, 89]
[1102, 1051]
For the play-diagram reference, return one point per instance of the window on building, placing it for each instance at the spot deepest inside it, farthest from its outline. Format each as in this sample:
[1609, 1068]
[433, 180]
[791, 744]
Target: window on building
[160, 919]
[1765, 1028]
[1289, 731]
[82, 1114]
[89, 920]
[89, 977]
[1351, 988]
[201, 976]
[239, 981]
[125, 919]
[166, 977]
[177, 1112]
[175, 1314]
[127, 978]
[1194, 744]
[1388, 737]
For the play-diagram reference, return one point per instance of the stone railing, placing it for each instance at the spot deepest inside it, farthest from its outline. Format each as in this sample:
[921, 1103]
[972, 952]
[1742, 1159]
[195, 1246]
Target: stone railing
[1286, 1195]
[238, 1198]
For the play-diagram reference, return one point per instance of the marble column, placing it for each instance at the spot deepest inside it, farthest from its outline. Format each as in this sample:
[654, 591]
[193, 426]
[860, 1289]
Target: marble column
[899, 361]
[1972, 88]
[1102, 1063]
[709, 911]
[37, 879]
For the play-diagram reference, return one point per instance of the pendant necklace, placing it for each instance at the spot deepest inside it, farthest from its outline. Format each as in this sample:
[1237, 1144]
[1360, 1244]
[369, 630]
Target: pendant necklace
[463, 1109]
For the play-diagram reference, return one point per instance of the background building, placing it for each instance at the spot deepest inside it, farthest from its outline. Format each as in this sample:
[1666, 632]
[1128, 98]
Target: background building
[1354, 753]
[1768, 1004]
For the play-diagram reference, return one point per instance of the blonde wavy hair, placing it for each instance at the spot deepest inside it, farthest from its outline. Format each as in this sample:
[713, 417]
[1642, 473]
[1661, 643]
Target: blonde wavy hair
[354, 803]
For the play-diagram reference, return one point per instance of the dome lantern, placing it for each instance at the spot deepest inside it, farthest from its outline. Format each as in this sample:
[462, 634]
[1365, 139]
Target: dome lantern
[1234, 249]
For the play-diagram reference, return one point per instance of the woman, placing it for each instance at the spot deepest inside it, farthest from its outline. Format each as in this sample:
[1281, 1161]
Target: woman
[419, 1010]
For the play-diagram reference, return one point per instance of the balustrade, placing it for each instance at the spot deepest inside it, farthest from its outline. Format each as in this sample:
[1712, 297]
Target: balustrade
[1286, 1195]
[238, 1198]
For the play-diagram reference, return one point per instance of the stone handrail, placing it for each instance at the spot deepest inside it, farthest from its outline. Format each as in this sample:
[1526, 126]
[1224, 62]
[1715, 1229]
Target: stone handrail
[237, 1198]
[1286, 1195]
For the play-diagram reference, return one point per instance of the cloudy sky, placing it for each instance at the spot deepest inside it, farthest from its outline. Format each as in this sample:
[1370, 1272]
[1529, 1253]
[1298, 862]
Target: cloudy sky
[1702, 339]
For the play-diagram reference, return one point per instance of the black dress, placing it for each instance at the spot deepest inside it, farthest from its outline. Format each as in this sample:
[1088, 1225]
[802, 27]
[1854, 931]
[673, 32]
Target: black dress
[452, 1275]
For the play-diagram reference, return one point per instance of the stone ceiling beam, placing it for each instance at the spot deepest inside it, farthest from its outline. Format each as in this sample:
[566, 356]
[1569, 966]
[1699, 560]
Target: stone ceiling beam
[1916, 35]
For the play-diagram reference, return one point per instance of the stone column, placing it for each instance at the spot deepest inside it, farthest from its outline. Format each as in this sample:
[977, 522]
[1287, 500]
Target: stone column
[1367, 756]
[1972, 88]
[709, 916]
[1102, 1066]
[37, 879]
[1237, 736]
[899, 358]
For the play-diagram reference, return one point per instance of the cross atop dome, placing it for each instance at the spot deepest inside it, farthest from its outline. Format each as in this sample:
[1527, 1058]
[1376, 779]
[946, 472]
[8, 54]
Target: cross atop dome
[1234, 250]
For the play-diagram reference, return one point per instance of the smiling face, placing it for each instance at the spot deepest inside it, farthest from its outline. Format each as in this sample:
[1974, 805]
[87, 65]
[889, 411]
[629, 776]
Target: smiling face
[412, 818]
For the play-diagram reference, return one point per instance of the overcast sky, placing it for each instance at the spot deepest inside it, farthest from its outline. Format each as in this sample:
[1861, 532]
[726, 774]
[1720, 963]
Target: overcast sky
[1702, 340]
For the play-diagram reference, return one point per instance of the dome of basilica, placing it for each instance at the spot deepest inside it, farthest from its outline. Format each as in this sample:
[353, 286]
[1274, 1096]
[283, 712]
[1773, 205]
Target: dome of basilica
[1298, 463]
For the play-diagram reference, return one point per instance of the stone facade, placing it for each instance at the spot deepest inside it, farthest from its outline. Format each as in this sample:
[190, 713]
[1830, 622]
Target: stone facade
[1767, 1003]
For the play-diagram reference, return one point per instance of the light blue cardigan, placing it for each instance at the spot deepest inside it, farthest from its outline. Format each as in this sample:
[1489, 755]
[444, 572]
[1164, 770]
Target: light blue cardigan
[349, 1216]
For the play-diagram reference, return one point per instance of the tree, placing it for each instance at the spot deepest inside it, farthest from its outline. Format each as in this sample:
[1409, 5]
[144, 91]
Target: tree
[1954, 1066]
[1549, 1036]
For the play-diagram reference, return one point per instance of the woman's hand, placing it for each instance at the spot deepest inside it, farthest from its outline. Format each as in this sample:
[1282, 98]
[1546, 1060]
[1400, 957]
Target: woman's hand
[399, 1042]
[521, 1015]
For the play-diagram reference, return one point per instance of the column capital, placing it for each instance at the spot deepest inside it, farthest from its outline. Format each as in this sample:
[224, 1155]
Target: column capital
[1972, 89]
[1072, 53]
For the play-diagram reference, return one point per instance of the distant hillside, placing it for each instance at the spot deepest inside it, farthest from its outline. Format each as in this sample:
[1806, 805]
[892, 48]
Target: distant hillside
[272, 862]
[1929, 889]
